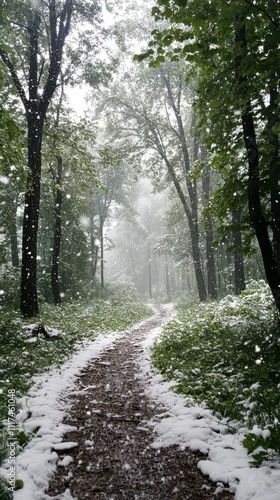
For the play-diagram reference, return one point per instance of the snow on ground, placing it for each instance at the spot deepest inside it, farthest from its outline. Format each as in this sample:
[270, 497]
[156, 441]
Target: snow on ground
[187, 426]
[192, 426]
[47, 404]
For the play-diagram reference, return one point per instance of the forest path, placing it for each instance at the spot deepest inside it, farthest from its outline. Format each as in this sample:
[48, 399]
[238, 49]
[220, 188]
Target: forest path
[114, 459]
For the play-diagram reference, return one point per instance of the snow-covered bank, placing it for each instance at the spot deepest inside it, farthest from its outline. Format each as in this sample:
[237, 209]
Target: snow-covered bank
[195, 427]
[46, 406]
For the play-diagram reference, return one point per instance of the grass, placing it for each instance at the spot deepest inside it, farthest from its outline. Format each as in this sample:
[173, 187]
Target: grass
[227, 355]
[23, 356]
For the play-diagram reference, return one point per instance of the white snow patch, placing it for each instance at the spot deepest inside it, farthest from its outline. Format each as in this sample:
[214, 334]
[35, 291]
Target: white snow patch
[67, 460]
[88, 442]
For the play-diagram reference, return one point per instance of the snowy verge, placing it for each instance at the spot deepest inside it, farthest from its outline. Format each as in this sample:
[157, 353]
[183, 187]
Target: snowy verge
[45, 407]
[192, 426]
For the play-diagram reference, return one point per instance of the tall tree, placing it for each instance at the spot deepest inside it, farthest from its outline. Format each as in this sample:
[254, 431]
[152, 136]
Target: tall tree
[32, 50]
[41, 85]
[154, 110]
[68, 150]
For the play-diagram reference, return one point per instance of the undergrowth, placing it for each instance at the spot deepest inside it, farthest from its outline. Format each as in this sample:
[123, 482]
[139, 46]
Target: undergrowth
[227, 355]
[24, 355]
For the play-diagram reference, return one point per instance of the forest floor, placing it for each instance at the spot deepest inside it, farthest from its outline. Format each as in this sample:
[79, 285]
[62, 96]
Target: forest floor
[113, 456]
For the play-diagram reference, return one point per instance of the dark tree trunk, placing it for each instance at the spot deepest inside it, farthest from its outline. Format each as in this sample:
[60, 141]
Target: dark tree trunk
[239, 276]
[210, 257]
[29, 301]
[211, 265]
[14, 242]
[55, 280]
[257, 218]
[274, 169]
[197, 261]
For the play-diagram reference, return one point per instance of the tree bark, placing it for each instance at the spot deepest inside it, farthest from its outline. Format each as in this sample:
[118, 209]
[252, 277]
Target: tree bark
[239, 276]
[94, 255]
[55, 280]
[101, 254]
[29, 300]
[93, 246]
[274, 169]
[167, 279]
[211, 266]
[149, 270]
[14, 240]
[257, 218]
[210, 257]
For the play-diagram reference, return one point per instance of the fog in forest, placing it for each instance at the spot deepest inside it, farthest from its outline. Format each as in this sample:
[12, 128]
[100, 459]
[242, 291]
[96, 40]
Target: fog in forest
[137, 257]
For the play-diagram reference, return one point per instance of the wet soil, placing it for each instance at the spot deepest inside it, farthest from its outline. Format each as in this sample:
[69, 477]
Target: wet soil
[114, 459]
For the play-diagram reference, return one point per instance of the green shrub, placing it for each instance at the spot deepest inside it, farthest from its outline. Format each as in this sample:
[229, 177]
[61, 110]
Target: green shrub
[227, 355]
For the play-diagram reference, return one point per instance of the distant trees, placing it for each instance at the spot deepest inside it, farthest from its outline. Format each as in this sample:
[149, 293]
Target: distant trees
[157, 120]
[139, 258]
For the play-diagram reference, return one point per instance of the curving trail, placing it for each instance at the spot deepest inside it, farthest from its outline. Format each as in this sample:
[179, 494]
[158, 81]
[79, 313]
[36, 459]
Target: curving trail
[114, 459]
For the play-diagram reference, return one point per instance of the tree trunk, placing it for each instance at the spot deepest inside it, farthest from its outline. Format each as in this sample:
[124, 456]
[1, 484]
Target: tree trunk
[29, 300]
[239, 276]
[168, 288]
[94, 256]
[210, 258]
[197, 262]
[149, 271]
[14, 242]
[194, 232]
[55, 280]
[101, 255]
[257, 218]
[211, 265]
[274, 169]
[93, 246]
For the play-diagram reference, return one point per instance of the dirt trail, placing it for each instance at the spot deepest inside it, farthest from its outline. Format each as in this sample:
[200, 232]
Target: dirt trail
[113, 459]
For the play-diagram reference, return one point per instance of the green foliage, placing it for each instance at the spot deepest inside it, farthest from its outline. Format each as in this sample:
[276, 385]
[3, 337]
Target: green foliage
[229, 77]
[19, 484]
[227, 355]
[5, 494]
[9, 284]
